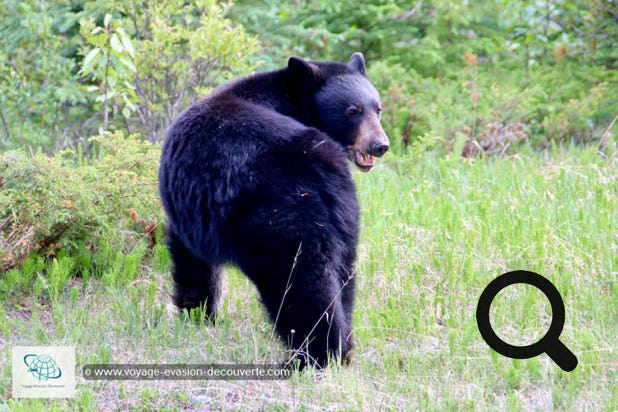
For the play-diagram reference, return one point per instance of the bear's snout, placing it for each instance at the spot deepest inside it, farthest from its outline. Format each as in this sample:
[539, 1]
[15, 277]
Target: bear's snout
[371, 142]
[378, 148]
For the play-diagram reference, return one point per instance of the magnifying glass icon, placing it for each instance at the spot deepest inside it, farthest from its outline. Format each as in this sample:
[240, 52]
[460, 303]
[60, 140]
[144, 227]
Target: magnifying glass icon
[549, 344]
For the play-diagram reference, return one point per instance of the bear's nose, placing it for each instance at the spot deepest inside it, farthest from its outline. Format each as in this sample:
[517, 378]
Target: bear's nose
[378, 149]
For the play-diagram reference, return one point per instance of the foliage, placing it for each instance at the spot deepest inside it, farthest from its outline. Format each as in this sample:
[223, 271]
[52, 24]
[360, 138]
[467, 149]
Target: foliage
[553, 29]
[182, 53]
[71, 202]
[57, 88]
[182, 50]
[41, 103]
[110, 64]
[461, 68]
[557, 55]
[404, 31]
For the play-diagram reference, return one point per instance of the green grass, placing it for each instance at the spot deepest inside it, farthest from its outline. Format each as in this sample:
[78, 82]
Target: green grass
[435, 231]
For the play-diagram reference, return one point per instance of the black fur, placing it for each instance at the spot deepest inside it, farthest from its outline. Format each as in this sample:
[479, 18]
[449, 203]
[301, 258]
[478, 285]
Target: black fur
[256, 175]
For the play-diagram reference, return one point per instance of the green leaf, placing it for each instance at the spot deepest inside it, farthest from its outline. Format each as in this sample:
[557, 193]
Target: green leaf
[128, 102]
[116, 45]
[89, 61]
[126, 42]
[107, 20]
[128, 64]
[103, 62]
[101, 98]
[117, 65]
[555, 26]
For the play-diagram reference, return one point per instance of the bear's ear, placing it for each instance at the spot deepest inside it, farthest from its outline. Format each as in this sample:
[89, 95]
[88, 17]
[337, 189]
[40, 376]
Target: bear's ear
[357, 62]
[302, 69]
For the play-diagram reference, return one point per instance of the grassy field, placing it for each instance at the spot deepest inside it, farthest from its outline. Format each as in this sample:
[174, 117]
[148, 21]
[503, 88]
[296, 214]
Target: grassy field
[435, 232]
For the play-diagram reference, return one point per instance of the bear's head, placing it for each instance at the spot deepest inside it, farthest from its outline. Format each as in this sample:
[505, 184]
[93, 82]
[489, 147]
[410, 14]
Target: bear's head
[343, 104]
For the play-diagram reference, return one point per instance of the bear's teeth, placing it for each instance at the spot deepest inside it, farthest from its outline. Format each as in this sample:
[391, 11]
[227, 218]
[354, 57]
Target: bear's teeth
[363, 160]
[367, 158]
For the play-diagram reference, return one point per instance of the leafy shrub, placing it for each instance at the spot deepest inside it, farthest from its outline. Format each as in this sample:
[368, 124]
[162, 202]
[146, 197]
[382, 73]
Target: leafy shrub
[56, 88]
[40, 99]
[182, 51]
[496, 108]
[522, 72]
[75, 203]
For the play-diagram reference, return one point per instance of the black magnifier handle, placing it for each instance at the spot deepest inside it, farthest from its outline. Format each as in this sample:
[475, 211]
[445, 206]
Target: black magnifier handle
[561, 355]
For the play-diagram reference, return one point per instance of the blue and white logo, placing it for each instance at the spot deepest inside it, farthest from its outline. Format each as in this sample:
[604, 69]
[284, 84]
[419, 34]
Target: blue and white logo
[43, 372]
[43, 367]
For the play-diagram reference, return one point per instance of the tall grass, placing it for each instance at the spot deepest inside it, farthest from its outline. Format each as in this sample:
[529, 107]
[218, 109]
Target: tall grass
[435, 232]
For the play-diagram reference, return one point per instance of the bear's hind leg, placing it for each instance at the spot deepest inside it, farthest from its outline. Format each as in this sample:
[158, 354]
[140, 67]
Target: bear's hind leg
[307, 308]
[312, 321]
[348, 281]
[196, 282]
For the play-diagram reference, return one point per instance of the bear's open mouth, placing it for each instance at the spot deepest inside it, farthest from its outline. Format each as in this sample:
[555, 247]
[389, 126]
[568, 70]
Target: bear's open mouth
[362, 160]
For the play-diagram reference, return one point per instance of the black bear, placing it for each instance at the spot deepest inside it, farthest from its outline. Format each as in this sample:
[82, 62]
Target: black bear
[255, 175]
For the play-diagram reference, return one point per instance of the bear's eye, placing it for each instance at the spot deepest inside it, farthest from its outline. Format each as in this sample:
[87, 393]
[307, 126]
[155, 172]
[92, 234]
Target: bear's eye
[354, 111]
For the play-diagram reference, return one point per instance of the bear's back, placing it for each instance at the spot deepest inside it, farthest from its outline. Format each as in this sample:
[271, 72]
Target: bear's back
[230, 145]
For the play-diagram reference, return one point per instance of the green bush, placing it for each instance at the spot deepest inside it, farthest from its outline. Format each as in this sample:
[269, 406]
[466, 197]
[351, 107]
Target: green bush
[182, 50]
[77, 204]
[73, 68]
[496, 108]
[497, 74]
